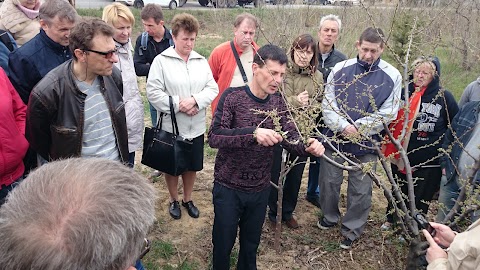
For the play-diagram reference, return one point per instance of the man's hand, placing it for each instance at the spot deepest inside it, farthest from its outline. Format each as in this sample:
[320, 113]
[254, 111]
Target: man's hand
[303, 98]
[315, 147]
[444, 235]
[267, 137]
[349, 130]
[434, 251]
[185, 105]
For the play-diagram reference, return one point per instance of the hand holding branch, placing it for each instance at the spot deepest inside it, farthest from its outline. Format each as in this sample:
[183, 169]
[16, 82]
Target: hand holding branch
[315, 147]
[267, 137]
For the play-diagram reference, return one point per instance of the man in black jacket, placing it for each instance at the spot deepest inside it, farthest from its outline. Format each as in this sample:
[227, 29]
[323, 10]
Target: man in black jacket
[77, 110]
[328, 57]
[151, 43]
[47, 50]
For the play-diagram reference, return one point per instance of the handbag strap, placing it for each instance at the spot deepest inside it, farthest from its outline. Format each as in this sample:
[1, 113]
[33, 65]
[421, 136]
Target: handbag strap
[239, 63]
[173, 117]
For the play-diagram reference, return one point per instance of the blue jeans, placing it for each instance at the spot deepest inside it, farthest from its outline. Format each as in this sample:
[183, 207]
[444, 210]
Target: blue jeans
[139, 265]
[446, 198]
[153, 114]
[313, 173]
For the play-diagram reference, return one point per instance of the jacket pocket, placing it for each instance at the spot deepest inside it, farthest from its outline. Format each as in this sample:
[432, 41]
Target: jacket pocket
[65, 142]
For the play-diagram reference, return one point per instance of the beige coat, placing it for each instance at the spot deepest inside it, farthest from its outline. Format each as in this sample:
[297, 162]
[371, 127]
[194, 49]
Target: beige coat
[13, 20]
[298, 80]
[464, 252]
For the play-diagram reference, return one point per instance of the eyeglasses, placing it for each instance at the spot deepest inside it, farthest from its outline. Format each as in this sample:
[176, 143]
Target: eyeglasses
[145, 249]
[107, 54]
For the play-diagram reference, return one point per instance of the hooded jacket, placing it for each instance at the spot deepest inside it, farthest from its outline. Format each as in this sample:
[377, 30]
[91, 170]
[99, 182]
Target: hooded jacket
[298, 80]
[13, 144]
[437, 110]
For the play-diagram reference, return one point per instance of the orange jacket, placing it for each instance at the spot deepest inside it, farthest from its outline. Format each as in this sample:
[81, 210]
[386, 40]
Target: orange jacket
[222, 63]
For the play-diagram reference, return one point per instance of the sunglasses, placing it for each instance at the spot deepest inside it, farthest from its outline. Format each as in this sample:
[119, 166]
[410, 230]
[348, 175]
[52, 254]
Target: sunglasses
[145, 248]
[107, 54]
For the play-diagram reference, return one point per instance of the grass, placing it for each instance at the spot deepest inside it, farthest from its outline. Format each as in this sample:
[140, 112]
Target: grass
[279, 26]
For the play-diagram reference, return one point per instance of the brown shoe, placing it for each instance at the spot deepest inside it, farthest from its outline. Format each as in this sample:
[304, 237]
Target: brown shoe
[292, 223]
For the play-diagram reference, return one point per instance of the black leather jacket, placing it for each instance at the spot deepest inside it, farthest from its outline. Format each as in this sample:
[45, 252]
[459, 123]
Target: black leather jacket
[55, 114]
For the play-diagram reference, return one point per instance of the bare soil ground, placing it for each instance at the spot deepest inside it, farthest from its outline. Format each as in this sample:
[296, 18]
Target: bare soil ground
[305, 248]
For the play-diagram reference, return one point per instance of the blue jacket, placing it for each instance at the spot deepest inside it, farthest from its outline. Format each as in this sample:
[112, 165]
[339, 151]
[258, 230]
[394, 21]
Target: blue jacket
[363, 95]
[31, 62]
[462, 125]
[5, 51]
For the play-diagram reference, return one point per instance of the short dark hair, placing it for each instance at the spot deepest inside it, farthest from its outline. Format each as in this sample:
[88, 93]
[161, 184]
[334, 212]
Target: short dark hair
[270, 52]
[304, 42]
[372, 35]
[186, 22]
[152, 11]
[60, 8]
[84, 31]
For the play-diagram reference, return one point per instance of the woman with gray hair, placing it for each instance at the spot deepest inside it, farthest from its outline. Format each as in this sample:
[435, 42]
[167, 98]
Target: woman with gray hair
[20, 19]
[77, 214]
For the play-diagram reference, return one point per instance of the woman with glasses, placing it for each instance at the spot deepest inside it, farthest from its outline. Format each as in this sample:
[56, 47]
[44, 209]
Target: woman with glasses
[121, 18]
[183, 74]
[430, 111]
[303, 91]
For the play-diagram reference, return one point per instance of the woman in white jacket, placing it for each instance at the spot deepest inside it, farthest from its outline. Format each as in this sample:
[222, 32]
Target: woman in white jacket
[122, 19]
[184, 75]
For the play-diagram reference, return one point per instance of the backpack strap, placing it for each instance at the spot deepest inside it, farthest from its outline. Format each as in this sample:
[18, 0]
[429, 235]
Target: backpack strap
[5, 39]
[143, 43]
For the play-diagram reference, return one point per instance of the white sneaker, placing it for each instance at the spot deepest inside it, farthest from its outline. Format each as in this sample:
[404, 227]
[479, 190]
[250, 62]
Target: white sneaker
[386, 226]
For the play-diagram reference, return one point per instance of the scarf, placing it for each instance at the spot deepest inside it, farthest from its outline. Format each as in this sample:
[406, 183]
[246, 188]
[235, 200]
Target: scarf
[30, 13]
[389, 149]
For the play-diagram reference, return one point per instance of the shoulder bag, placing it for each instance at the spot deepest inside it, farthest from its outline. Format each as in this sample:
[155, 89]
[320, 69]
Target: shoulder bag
[164, 151]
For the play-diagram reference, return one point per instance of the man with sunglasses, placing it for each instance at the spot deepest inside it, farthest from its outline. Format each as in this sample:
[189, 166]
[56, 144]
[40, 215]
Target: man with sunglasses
[77, 110]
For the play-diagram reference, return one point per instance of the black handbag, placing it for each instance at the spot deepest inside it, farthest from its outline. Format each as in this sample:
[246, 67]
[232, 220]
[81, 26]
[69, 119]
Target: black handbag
[164, 151]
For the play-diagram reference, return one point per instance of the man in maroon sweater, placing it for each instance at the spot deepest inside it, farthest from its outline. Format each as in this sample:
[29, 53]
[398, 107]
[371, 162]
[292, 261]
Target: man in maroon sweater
[245, 139]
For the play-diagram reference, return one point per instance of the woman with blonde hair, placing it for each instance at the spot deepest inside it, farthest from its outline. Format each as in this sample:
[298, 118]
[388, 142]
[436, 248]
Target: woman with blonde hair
[430, 112]
[121, 18]
[20, 19]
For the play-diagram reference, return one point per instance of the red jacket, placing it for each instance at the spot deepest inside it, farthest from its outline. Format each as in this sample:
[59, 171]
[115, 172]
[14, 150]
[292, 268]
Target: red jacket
[13, 144]
[222, 63]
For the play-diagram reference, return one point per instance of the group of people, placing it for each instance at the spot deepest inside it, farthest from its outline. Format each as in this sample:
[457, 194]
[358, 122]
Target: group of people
[72, 92]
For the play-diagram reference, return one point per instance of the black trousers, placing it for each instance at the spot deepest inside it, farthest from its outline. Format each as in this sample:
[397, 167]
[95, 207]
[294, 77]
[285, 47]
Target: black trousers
[426, 183]
[236, 209]
[291, 187]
